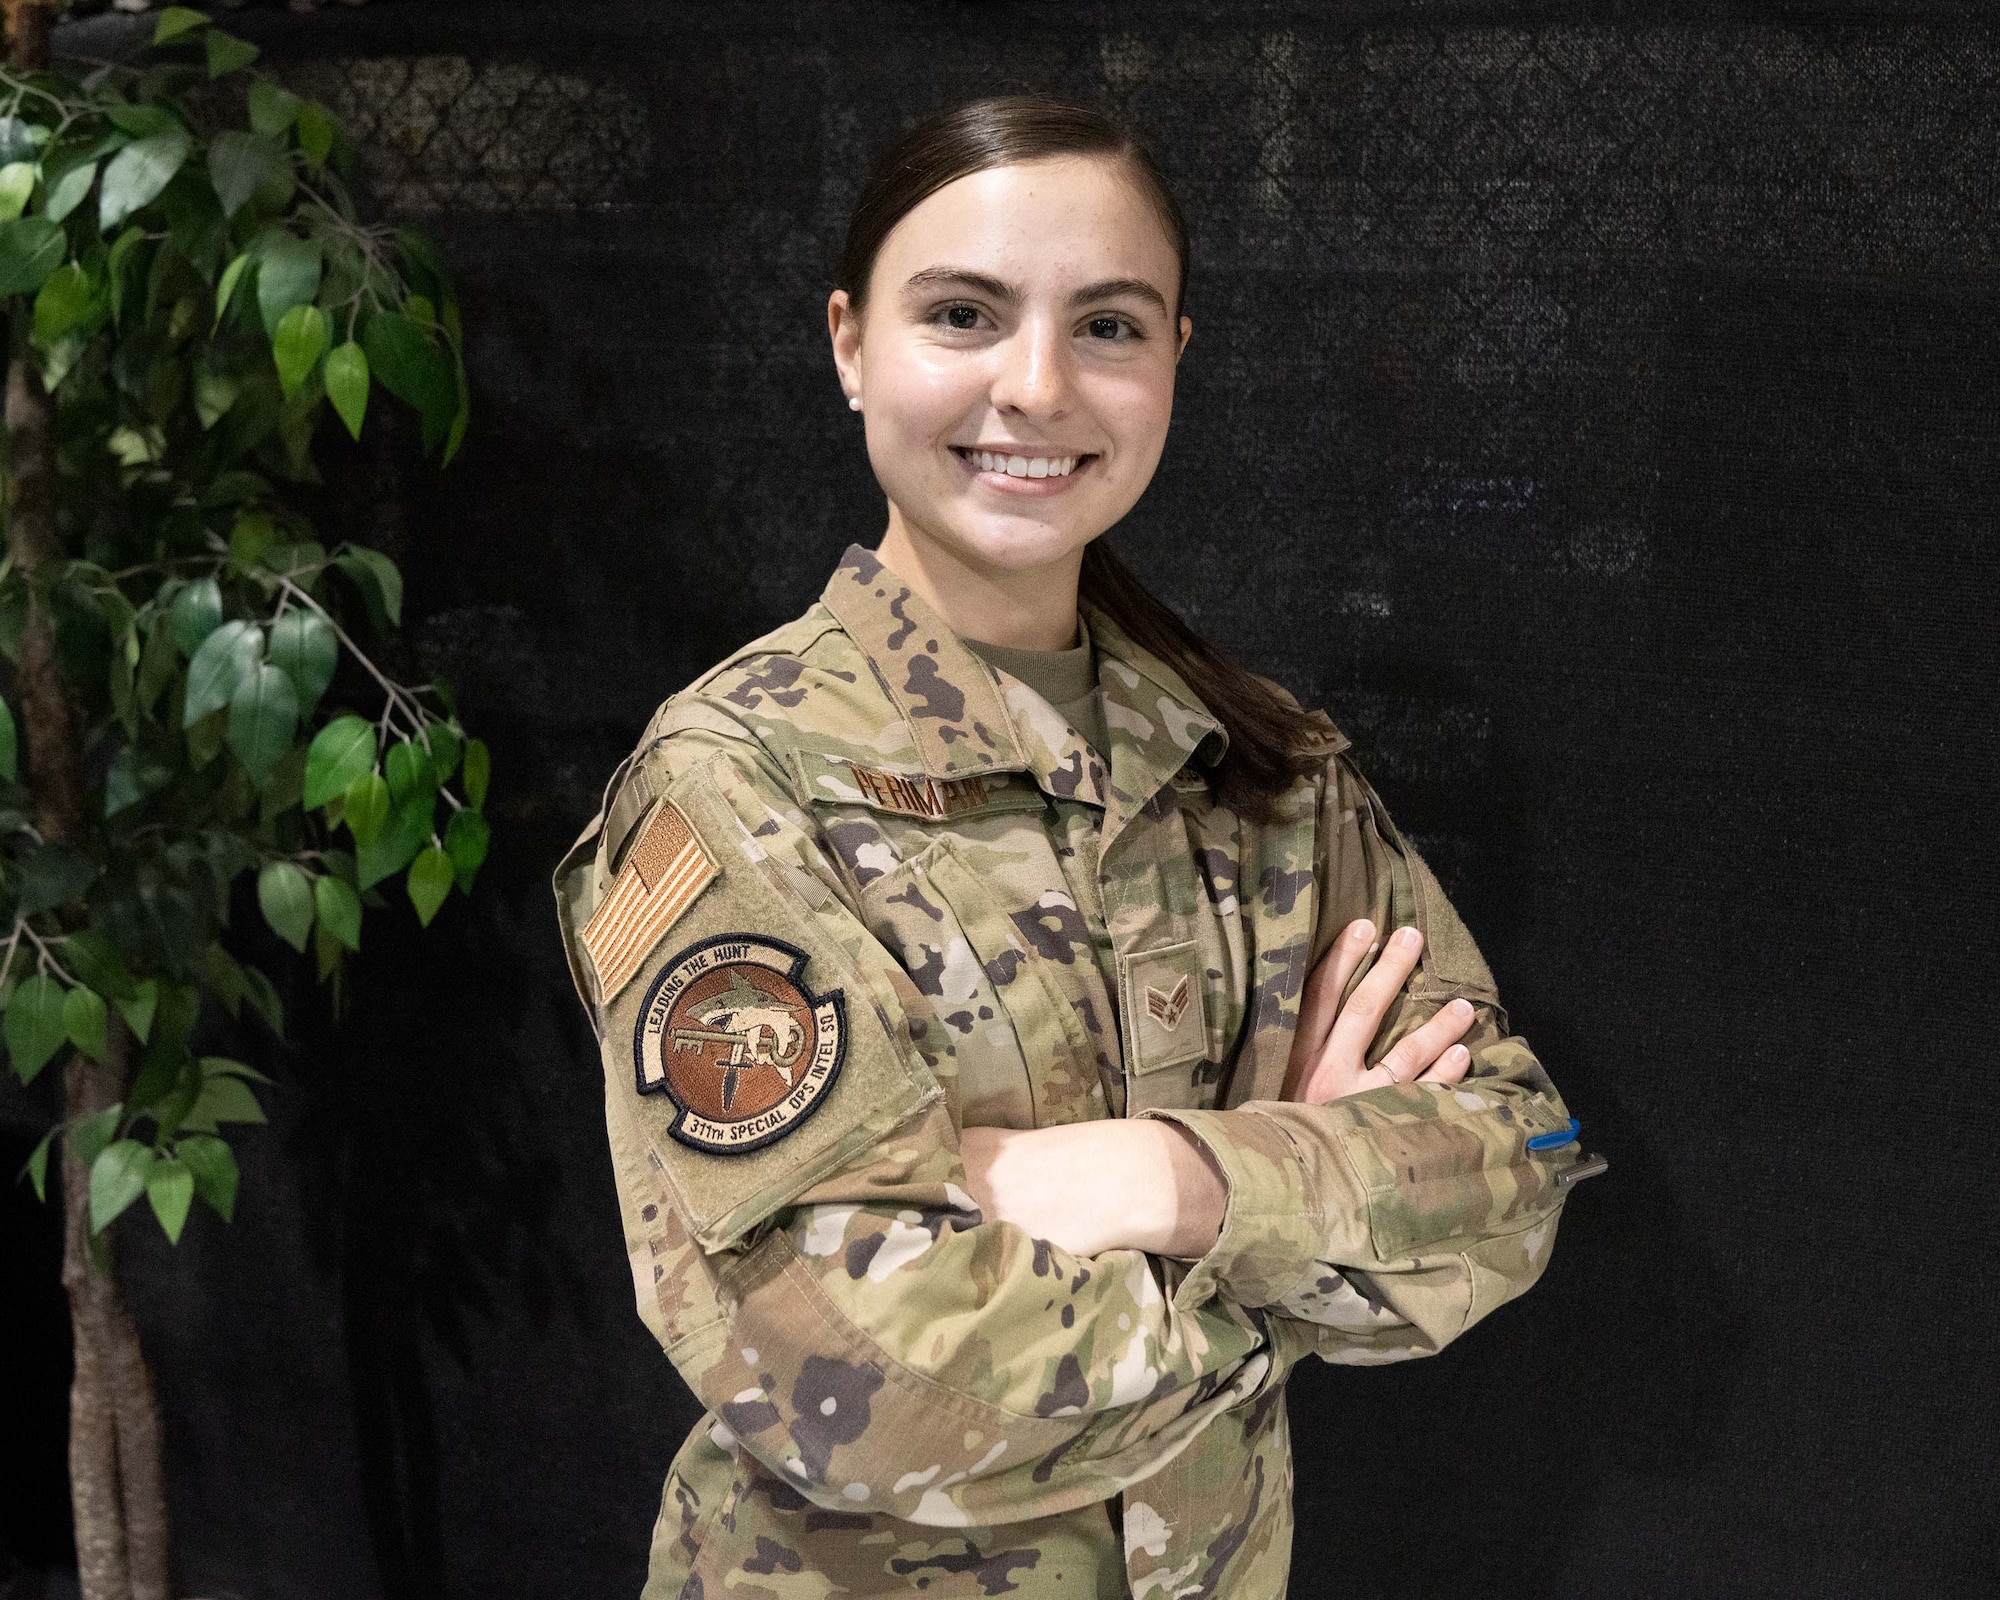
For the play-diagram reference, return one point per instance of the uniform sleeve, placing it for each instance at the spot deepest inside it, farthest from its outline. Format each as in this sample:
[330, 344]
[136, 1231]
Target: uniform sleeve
[1382, 1225]
[831, 1292]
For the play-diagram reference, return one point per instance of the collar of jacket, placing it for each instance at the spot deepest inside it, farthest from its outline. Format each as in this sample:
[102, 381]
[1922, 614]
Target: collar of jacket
[959, 719]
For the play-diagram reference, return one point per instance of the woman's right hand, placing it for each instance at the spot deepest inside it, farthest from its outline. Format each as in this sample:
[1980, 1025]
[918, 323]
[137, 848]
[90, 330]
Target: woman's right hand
[1330, 1044]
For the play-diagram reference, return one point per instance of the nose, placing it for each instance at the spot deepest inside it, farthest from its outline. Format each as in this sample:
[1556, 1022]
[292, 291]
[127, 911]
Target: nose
[1035, 376]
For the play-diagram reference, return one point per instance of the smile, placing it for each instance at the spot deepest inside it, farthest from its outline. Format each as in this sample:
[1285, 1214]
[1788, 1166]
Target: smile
[990, 466]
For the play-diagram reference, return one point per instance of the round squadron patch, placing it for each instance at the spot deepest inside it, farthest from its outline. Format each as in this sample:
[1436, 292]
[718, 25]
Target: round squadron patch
[730, 1033]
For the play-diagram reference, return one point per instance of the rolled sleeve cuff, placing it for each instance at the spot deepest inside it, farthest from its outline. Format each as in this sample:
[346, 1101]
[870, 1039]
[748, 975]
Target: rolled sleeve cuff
[1272, 1223]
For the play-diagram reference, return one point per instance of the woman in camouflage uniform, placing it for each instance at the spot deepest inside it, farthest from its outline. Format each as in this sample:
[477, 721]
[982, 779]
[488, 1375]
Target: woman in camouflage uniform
[1005, 1082]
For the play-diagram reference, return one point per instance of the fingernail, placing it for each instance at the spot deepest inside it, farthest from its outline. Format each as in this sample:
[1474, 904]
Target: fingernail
[1456, 1054]
[1363, 929]
[1461, 1008]
[1406, 937]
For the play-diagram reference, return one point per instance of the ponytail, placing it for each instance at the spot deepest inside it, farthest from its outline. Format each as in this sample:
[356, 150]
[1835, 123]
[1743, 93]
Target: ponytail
[1273, 742]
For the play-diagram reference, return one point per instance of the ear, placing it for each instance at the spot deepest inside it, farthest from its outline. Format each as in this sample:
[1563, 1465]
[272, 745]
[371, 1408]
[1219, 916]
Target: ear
[1187, 328]
[843, 326]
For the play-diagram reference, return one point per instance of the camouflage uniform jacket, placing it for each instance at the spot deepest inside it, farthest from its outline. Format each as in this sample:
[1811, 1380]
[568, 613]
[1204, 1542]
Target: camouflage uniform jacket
[856, 889]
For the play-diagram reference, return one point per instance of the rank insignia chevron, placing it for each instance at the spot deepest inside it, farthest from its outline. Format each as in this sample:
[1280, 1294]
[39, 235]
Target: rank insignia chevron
[1166, 1009]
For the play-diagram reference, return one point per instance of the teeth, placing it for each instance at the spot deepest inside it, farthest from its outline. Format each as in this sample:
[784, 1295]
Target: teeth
[1026, 466]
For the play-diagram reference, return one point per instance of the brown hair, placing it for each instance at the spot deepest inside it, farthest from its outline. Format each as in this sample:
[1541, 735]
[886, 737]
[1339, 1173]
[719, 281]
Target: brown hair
[1271, 740]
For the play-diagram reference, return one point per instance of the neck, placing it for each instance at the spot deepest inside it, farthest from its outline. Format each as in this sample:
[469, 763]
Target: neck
[1029, 608]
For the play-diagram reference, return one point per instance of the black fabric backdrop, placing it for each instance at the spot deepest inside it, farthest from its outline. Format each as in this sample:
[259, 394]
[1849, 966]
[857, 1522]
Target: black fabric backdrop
[1592, 406]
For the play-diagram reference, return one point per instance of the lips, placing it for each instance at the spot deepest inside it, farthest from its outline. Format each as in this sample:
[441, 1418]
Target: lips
[1012, 473]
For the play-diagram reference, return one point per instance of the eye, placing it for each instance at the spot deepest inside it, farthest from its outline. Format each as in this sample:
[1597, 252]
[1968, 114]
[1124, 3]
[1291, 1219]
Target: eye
[1104, 329]
[958, 317]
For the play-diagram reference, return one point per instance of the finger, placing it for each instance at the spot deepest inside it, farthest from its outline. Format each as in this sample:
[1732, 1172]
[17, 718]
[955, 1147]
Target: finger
[1449, 1067]
[1421, 1046]
[1321, 1001]
[1361, 1017]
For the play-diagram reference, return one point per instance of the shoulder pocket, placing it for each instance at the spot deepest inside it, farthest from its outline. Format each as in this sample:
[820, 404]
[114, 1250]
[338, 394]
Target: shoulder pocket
[760, 1051]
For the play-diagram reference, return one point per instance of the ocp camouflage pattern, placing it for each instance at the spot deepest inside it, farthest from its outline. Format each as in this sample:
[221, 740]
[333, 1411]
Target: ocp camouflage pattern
[903, 1398]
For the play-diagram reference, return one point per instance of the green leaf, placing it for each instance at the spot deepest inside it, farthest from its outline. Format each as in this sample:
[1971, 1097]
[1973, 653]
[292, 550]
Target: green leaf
[51, 875]
[139, 118]
[17, 140]
[170, 1187]
[316, 132]
[226, 657]
[240, 163]
[88, 1138]
[408, 830]
[69, 191]
[195, 614]
[36, 1168]
[115, 267]
[296, 346]
[347, 384]
[429, 882]
[227, 53]
[252, 535]
[66, 300]
[465, 839]
[304, 647]
[366, 808]
[409, 772]
[83, 1021]
[35, 1028]
[223, 1098]
[96, 961]
[225, 979]
[288, 269]
[213, 1165]
[206, 739]
[138, 173]
[231, 276]
[214, 394]
[286, 898]
[341, 752]
[377, 576]
[176, 21]
[263, 715]
[272, 109]
[117, 1178]
[233, 1069]
[10, 746]
[138, 1011]
[444, 747]
[415, 369]
[17, 183]
[478, 770]
[339, 910]
[264, 1000]
[30, 249]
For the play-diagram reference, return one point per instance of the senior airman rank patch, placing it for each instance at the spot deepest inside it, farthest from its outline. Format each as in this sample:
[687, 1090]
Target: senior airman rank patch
[731, 1034]
[664, 871]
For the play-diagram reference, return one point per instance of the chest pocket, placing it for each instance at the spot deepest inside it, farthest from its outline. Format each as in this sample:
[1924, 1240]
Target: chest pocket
[1025, 1057]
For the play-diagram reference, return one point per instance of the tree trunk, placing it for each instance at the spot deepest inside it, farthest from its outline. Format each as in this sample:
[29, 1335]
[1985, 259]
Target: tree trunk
[117, 1487]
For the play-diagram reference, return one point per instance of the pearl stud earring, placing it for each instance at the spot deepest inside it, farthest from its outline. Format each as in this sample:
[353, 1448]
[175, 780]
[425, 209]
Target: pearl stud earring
[854, 402]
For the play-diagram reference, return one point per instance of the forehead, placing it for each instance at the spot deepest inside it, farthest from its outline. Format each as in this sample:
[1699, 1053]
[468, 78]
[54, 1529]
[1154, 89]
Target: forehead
[1056, 220]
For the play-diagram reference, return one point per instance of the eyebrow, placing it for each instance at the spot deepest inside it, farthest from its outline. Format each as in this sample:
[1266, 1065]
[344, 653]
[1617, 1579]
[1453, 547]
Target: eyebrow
[931, 278]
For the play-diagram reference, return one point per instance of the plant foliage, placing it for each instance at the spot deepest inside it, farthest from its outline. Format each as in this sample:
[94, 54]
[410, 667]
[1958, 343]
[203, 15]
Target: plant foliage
[187, 273]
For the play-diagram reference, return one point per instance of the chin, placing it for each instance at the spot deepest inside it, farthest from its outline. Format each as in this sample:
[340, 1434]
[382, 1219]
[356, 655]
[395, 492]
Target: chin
[1017, 545]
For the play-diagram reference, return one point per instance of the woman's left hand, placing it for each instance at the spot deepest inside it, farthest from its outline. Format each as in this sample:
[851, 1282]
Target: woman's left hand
[1330, 1047]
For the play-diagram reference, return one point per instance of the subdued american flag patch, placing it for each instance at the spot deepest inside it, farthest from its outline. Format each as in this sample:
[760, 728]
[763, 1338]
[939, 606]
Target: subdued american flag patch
[663, 873]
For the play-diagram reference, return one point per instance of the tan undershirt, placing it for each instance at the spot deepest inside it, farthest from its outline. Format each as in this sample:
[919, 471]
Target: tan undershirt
[1067, 679]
